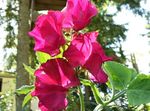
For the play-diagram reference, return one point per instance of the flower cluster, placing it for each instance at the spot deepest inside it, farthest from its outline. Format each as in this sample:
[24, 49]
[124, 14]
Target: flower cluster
[57, 75]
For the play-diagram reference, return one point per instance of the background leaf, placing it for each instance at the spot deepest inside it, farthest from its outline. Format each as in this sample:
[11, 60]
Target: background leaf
[25, 89]
[118, 74]
[29, 69]
[138, 91]
[27, 98]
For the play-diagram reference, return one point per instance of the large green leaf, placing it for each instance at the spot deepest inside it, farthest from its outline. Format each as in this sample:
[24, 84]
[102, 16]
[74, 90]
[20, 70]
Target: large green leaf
[119, 75]
[138, 91]
[25, 89]
[42, 57]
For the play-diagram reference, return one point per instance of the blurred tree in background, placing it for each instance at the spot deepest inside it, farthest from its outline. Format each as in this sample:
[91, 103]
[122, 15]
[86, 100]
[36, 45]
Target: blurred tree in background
[9, 20]
[112, 34]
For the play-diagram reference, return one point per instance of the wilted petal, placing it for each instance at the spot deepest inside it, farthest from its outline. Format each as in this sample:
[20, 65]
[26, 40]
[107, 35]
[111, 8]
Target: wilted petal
[48, 33]
[57, 72]
[80, 48]
[78, 14]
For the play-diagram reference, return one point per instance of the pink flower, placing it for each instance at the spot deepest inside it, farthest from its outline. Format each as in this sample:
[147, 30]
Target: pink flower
[78, 14]
[57, 72]
[94, 63]
[80, 48]
[51, 97]
[53, 79]
[48, 33]
[85, 51]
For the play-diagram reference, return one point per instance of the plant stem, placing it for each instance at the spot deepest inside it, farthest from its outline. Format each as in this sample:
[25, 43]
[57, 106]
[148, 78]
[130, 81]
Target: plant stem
[115, 97]
[113, 90]
[96, 94]
[81, 97]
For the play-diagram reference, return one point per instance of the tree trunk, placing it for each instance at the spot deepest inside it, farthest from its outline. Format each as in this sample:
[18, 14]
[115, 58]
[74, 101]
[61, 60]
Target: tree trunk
[22, 49]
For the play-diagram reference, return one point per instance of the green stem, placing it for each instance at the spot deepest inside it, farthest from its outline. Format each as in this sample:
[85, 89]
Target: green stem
[81, 97]
[113, 96]
[116, 97]
[119, 95]
[113, 90]
[96, 94]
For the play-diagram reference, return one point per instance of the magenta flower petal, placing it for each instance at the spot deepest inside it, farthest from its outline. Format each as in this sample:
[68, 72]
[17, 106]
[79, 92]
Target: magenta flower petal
[51, 97]
[48, 33]
[78, 14]
[53, 79]
[57, 72]
[94, 63]
[99, 77]
[80, 48]
[85, 51]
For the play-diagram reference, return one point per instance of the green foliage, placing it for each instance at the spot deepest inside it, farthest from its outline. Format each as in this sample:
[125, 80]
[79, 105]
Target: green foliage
[9, 20]
[27, 99]
[29, 69]
[126, 84]
[6, 101]
[136, 86]
[112, 34]
[73, 100]
[11, 60]
[133, 5]
[138, 91]
[148, 24]
[25, 89]
[94, 89]
[42, 57]
[85, 82]
[118, 74]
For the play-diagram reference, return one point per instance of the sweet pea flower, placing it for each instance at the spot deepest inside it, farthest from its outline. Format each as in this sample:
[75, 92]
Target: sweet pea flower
[78, 14]
[80, 48]
[48, 33]
[94, 64]
[85, 51]
[57, 72]
[53, 79]
[51, 97]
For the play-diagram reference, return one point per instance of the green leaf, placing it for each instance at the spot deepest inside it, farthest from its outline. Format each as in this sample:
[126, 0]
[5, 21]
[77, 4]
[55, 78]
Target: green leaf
[42, 57]
[27, 98]
[133, 73]
[29, 69]
[119, 75]
[25, 89]
[138, 91]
